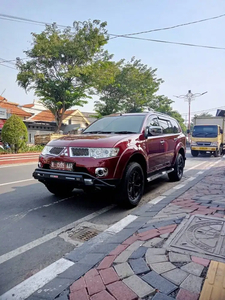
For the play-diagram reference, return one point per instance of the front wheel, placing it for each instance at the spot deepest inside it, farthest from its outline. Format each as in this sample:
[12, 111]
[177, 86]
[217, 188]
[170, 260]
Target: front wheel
[132, 187]
[177, 174]
[59, 189]
[194, 153]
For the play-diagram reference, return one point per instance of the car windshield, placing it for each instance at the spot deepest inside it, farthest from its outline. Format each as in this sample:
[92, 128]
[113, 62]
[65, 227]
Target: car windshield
[117, 124]
[205, 131]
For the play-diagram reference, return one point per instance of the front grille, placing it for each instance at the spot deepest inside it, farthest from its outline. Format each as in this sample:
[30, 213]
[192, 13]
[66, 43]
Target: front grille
[56, 150]
[79, 152]
[204, 143]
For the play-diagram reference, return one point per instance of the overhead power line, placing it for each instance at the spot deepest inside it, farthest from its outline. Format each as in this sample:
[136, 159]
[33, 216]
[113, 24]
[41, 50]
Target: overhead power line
[8, 66]
[170, 27]
[130, 35]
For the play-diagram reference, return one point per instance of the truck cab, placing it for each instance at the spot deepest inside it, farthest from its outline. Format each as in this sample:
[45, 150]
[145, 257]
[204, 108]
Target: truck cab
[208, 136]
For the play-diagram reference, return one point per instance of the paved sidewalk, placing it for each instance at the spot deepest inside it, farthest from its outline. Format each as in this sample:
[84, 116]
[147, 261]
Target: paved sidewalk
[163, 254]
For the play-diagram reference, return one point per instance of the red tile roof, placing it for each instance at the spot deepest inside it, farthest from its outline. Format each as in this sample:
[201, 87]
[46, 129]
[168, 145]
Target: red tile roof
[13, 108]
[47, 116]
[28, 105]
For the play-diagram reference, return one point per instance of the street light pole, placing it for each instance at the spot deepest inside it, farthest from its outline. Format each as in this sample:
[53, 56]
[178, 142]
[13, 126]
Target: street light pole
[190, 97]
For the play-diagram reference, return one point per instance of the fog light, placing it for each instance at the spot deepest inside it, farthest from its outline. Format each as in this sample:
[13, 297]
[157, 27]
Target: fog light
[101, 172]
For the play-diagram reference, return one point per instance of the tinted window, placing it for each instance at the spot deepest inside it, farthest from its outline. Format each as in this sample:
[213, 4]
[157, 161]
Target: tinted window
[118, 124]
[176, 127]
[166, 125]
[153, 121]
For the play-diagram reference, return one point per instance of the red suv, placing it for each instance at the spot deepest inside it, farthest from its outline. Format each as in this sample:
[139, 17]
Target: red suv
[119, 152]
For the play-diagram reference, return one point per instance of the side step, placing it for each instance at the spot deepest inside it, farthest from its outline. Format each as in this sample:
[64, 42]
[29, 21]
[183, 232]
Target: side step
[159, 174]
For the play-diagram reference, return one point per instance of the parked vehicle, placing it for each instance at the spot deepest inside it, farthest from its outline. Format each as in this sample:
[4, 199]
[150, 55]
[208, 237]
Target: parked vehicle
[208, 136]
[119, 152]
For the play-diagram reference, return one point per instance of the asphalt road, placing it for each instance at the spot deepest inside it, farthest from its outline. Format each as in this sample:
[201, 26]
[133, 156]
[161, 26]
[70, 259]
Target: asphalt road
[36, 227]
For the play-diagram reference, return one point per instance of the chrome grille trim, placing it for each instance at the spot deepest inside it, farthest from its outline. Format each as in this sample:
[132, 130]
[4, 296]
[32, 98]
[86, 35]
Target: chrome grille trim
[204, 143]
[79, 152]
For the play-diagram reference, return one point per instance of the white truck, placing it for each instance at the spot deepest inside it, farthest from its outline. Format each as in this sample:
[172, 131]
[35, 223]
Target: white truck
[208, 136]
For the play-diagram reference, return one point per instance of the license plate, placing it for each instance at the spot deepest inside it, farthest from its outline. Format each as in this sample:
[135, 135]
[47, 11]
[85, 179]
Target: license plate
[61, 165]
[204, 148]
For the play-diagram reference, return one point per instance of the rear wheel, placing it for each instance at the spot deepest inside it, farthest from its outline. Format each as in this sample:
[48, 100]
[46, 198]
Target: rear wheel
[132, 187]
[177, 174]
[194, 153]
[59, 189]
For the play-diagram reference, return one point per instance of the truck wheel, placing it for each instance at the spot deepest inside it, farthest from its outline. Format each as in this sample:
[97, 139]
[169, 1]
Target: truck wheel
[194, 153]
[177, 174]
[216, 153]
[59, 189]
[132, 187]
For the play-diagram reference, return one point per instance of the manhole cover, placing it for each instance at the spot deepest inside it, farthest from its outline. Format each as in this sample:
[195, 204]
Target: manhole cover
[84, 234]
[200, 234]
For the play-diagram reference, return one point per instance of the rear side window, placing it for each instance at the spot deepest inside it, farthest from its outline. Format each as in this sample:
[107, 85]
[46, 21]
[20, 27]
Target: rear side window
[176, 126]
[166, 126]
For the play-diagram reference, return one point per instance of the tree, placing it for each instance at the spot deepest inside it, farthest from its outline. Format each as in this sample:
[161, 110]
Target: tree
[61, 65]
[14, 132]
[132, 89]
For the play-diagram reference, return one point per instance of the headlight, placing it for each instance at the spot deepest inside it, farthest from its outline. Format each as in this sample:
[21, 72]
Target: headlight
[46, 150]
[193, 144]
[103, 152]
[215, 144]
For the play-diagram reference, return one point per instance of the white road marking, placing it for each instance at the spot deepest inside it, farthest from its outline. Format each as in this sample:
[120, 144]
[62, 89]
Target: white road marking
[7, 256]
[17, 165]
[29, 286]
[179, 186]
[156, 200]
[191, 178]
[194, 167]
[117, 227]
[15, 182]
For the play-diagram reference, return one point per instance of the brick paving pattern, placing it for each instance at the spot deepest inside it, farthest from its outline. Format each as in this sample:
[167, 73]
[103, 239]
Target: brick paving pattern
[141, 267]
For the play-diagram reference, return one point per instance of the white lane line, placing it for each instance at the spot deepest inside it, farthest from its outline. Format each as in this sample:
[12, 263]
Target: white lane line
[191, 178]
[194, 167]
[179, 186]
[15, 182]
[29, 286]
[17, 165]
[156, 200]
[200, 172]
[7, 256]
[117, 227]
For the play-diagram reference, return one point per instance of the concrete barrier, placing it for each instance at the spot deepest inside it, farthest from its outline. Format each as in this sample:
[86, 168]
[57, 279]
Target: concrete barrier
[19, 158]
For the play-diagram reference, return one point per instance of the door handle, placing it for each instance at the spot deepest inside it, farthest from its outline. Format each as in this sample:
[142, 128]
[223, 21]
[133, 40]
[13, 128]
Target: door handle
[175, 139]
[162, 142]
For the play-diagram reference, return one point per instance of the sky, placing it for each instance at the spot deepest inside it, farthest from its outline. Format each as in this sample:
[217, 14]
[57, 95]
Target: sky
[182, 68]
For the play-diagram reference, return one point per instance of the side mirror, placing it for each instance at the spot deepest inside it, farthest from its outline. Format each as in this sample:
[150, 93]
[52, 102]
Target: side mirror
[188, 131]
[146, 132]
[221, 131]
[155, 130]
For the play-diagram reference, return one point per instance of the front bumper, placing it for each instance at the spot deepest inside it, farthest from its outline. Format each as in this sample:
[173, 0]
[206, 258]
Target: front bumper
[198, 148]
[76, 179]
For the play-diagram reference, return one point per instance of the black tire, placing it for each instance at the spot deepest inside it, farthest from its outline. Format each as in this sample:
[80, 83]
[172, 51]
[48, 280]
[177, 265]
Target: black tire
[132, 186]
[59, 189]
[216, 153]
[194, 153]
[177, 174]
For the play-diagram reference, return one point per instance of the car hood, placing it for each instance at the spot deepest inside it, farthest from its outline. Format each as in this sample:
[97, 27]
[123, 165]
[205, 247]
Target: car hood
[91, 140]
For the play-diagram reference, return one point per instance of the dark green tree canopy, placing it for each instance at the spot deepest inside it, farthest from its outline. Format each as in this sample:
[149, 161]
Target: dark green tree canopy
[132, 90]
[61, 63]
[14, 132]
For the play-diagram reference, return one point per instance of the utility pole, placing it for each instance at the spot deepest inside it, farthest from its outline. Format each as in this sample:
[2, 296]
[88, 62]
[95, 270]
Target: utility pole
[188, 98]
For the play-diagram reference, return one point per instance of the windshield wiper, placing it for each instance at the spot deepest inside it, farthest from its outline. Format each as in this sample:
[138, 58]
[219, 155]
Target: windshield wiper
[97, 132]
[124, 132]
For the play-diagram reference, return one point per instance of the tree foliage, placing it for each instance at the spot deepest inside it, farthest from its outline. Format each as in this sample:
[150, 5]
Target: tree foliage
[61, 65]
[14, 132]
[132, 89]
